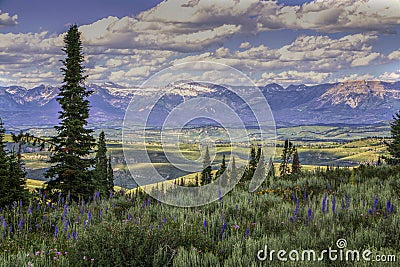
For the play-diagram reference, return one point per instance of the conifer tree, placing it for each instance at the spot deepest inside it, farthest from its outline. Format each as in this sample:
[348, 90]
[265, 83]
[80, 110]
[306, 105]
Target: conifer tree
[286, 156]
[296, 166]
[206, 175]
[222, 168]
[71, 164]
[101, 166]
[259, 173]
[394, 146]
[233, 175]
[110, 176]
[12, 177]
[252, 166]
[271, 168]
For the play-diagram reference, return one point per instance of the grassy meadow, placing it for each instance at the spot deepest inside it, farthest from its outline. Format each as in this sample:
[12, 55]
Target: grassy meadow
[309, 211]
[357, 202]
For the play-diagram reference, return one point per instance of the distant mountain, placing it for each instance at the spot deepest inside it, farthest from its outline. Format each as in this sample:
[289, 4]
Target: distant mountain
[353, 102]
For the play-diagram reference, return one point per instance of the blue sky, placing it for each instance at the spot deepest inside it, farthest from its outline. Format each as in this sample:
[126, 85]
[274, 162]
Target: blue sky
[126, 41]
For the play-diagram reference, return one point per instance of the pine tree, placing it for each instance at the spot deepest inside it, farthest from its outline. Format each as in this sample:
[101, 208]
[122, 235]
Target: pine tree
[3, 168]
[101, 166]
[287, 153]
[222, 168]
[252, 166]
[296, 167]
[259, 173]
[394, 146]
[271, 168]
[206, 175]
[110, 176]
[233, 175]
[12, 176]
[71, 164]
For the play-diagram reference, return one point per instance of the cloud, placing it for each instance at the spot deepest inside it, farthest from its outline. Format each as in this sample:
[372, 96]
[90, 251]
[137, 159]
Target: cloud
[395, 55]
[293, 77]
[335, 16]
[7, 20]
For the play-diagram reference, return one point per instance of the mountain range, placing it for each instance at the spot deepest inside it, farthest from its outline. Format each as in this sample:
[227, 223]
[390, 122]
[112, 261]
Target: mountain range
[352, 102]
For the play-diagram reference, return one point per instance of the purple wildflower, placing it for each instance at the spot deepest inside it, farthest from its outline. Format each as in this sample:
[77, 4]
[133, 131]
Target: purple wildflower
[223, 229]
[21, 222]
[296, 210]
[55, 231]
[237, 207]
[375, 203]
[205, 223]
[247, 233]
[347, 202]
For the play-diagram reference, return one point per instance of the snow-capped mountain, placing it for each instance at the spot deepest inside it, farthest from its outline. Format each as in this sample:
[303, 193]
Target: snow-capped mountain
[348, 102]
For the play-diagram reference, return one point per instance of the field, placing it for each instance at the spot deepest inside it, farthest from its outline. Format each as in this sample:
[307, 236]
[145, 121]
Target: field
[353, 203]
[307, 212]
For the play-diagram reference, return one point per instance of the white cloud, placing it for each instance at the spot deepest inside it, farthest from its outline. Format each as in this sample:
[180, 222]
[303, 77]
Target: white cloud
[395, 55]
[7, 20]
[293, 77]
[390, 76]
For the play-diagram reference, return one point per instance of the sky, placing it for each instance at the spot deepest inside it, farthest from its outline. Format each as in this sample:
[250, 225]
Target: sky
[127, 41]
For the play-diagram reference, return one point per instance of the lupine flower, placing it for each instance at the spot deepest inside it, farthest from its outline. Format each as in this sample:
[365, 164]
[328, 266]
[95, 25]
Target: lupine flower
[347, 201]
[89, 215]
[333, 204]
[223, 229]
[55, 231]
[66, 225]
[388, 205]
[305, 196]
[247, 233]
[29, 210]
[205, 223]
[165, 220]
[149, 202]
[375, 203]
[21, 222]
[236, 207]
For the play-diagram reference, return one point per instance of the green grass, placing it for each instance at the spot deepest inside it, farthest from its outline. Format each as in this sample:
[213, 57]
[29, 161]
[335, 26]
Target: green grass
[134, 230]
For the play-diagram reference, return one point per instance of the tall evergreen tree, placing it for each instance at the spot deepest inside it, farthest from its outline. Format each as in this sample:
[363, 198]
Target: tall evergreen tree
[110, 176]
[3, 167]
[222, 168]
[233, 175]
[259, 173]
[394, 146]
[286, 156]
[206, 175]
[296, 166]
[101, 166]
[12, 177]
[271, 168]
[71, 164]
[252, 166]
